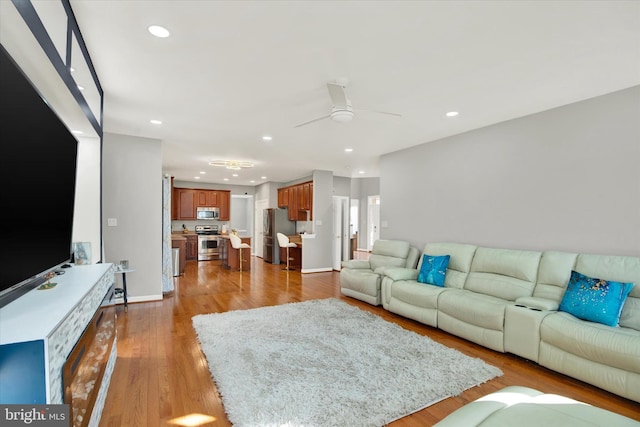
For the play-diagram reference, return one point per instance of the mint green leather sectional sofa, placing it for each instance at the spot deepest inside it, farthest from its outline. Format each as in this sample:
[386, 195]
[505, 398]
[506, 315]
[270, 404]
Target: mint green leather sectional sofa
[508, 300]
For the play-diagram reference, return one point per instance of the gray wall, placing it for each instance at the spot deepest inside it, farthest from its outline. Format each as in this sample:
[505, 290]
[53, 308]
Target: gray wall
[317, 252]
[564, 179]
[132, 194]
[341, 186]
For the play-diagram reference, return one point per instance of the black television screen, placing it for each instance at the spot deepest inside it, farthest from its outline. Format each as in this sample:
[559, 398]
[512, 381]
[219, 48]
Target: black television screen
[38, 180]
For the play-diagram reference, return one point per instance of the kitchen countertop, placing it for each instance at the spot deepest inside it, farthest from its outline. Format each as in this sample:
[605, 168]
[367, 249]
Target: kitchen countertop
[178, 235]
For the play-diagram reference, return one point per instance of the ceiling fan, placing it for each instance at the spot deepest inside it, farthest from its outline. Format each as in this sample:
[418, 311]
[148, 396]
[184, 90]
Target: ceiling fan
[342, 111]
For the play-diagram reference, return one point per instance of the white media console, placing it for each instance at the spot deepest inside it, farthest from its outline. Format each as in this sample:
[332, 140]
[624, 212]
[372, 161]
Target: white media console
[38, 333]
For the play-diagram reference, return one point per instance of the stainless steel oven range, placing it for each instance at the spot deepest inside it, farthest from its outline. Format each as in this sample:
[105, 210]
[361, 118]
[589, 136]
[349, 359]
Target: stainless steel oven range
[208, 242]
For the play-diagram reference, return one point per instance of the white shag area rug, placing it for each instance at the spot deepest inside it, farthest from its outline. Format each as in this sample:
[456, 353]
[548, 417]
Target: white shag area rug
[326, 363]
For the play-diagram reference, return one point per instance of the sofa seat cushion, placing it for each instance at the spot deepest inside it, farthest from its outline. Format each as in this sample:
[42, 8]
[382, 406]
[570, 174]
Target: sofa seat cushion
[361, 280]
[525, 407]
[417, 294]
[617, 347]
[481, 310]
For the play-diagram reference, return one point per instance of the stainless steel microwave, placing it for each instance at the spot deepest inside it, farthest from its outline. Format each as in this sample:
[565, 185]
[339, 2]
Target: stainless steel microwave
[207, 213]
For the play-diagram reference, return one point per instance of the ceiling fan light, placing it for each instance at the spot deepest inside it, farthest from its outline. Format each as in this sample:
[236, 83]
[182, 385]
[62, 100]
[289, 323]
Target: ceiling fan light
[342, 116]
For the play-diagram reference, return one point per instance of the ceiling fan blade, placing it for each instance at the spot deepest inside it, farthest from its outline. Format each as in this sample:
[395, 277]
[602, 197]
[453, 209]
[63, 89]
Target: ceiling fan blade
[313, 121]
[380, 112]
[337, 94]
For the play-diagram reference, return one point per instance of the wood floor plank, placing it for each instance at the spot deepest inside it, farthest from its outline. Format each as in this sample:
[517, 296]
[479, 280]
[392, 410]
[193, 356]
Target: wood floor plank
[161, 374]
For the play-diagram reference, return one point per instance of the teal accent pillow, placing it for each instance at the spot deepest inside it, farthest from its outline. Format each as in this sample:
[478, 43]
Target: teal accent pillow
[595, 300]
[433, 269]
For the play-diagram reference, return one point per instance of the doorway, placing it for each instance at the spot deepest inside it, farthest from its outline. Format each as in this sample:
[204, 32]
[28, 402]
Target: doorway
[258, 227]
[373, 220]
[340, 246]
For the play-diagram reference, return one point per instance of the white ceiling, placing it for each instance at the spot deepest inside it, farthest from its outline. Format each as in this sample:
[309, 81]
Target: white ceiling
[233, 71]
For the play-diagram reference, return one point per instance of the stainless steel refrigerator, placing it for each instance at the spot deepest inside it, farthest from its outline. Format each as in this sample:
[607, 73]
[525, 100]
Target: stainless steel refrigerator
[275, 221]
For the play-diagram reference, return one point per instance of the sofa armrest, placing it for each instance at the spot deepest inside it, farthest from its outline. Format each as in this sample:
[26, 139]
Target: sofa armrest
[356, 264]
[399, 273]
[535, 303]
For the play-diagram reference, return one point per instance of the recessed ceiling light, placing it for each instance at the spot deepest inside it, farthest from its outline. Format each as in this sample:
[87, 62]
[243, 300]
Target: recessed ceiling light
[267, 138]
[202, 173]
[226, 179]
[452, 113]
[235, 174]
[159, 31]
[263, 177]
[196, 177]
[252, 181]
[156, 122]
[348, 150]
[360, 172]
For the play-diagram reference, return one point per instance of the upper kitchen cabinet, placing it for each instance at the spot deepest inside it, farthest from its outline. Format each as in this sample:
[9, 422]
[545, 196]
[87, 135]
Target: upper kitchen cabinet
[305, 193]
[186, 200]
[224, 203]
[298, 199]
[184, 203]
[208, 198]
[283, 197]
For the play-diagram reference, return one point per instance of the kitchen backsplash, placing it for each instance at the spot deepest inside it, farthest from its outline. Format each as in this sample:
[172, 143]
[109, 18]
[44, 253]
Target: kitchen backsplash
[176, 225]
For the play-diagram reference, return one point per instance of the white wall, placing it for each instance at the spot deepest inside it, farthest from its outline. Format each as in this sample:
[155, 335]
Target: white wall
[132, 194]
[564, 179]
[86, 215]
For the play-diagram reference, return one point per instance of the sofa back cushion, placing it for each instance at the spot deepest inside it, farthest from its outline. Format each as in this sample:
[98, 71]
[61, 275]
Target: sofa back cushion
[460, 260]
[412, 258]
[503, 273]
[389, 253]
[619, 269]
[553, 275]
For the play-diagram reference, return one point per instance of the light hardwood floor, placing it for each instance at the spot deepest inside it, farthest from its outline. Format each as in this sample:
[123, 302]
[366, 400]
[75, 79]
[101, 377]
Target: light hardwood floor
[161, 374]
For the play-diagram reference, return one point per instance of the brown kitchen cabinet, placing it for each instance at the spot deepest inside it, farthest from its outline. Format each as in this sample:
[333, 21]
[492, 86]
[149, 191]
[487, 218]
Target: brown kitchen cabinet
[192, 247]
[298, 199]
[186, 200]
[184, 205]
[283, 197]
[207, 198]
[224, 203]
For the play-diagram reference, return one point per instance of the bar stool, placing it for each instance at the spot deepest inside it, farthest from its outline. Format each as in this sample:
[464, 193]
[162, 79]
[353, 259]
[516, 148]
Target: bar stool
[236, 243]
[283, 242]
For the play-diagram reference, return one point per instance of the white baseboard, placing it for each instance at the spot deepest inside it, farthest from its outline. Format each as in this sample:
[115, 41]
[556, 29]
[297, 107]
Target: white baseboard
[316, 270]
[144, 298]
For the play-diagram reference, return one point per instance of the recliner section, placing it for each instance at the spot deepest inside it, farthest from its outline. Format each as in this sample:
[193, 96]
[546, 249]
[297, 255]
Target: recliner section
[362, 279]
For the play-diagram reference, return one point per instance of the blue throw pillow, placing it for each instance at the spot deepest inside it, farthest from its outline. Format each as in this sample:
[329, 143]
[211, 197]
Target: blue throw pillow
[433, 269]
[595, 300]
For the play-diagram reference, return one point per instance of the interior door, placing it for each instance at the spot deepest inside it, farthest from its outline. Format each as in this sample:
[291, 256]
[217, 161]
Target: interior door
[373, 221]
[258, 228]
[340, 245]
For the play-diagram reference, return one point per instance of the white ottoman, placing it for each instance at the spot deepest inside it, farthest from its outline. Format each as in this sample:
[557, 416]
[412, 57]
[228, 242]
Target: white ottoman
[526, 407]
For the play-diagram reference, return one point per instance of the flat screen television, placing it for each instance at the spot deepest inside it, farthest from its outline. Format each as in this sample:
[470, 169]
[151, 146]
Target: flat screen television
[38, 157]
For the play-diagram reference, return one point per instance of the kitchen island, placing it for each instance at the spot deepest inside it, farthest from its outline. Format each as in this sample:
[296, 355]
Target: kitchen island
[294, 253]
[231, 257]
